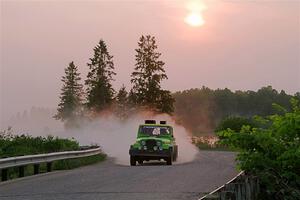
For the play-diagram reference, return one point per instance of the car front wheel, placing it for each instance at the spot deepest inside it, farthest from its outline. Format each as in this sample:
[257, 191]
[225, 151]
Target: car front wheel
[140, 162]
[169, 160]
[132, 161]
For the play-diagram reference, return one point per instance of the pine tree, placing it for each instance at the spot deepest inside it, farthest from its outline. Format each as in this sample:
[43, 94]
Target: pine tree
[146, 79]
[122, 105]
[122, 95]
[99, 89]
[70, 104]
[165, 102]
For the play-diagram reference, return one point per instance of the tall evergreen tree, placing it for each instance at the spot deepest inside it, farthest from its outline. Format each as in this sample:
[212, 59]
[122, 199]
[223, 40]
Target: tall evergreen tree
[122, 96]
[99, 89]
[70, 104]
[146, 79]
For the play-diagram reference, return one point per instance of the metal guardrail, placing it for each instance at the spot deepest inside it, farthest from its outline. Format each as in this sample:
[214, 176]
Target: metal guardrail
[241, 187]
[22, 161]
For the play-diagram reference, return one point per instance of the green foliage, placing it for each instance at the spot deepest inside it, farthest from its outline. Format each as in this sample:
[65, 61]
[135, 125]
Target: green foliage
[70, 104]
[234, 123]
[201, 110]
[99, 89]
[147, 76]
[19, 145]
[271, 152]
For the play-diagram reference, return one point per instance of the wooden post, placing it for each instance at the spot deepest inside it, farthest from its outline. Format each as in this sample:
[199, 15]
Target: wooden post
[49, 166]
[238, 191]
[36, 169]
[4, 173]
[248, 190]
[21, 171]
[257, 186]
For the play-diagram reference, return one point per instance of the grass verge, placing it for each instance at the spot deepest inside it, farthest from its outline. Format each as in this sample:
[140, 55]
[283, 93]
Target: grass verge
[78, 162]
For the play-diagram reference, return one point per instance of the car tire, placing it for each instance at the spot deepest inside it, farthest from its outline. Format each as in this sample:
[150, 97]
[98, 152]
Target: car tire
[140, 162]
[132, 161]
[169, 160]
[176, 153]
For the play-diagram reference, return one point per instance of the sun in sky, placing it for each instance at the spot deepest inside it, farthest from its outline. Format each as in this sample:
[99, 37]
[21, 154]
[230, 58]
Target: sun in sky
[194, 16]
[194, 19]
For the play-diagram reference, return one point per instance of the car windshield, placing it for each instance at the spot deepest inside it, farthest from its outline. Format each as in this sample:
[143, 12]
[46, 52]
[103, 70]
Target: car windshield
[155, 130]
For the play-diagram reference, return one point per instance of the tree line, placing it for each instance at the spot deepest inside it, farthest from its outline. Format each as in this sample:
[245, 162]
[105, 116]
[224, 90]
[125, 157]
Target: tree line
[201, 110]
[99, 94]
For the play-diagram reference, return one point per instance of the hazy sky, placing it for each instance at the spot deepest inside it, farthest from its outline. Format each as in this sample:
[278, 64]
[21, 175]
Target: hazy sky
[242, 45]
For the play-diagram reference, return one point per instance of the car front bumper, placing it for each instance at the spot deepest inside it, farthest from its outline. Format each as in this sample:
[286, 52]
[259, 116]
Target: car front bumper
[151, 153]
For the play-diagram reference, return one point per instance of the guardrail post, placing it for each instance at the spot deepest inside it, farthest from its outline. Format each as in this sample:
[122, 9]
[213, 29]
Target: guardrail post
[49, 166]
[21, 171]
[36, 169]
[4, 174]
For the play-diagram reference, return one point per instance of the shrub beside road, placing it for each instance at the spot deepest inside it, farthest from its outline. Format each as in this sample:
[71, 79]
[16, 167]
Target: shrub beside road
[19, 145]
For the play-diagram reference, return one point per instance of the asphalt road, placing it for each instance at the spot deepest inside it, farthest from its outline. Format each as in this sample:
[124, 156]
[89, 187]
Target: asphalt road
[109, 181]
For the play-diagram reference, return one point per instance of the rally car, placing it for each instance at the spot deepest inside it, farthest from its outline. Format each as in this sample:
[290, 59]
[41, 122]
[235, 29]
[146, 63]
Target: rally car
[154, 142]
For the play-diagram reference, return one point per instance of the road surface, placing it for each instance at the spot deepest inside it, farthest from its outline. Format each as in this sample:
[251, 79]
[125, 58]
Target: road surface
[109, 181]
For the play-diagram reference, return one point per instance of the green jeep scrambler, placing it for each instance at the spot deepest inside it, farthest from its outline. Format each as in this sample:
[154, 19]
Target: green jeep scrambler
[154, 142]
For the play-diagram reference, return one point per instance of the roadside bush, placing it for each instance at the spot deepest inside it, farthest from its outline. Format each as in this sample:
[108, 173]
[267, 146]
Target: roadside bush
[271, 152]
[18, 145]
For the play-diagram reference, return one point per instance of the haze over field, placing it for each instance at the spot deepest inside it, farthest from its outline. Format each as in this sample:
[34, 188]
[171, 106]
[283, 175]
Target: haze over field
[219, 44]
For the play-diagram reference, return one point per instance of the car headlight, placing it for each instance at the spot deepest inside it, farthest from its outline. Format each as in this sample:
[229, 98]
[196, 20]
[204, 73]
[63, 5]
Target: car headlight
[158, 143]
[143, 142]
[145, 147]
